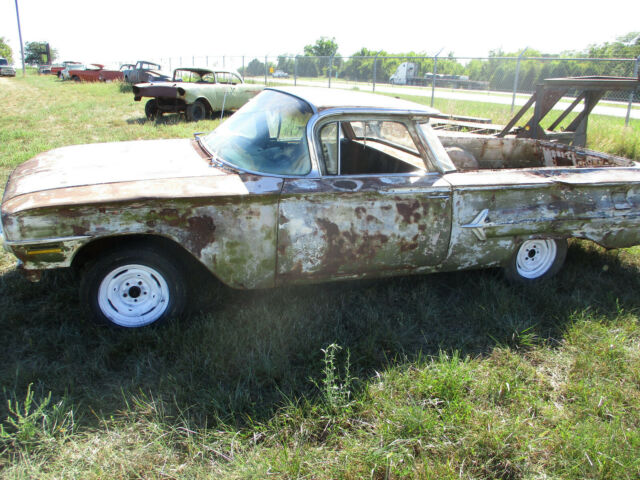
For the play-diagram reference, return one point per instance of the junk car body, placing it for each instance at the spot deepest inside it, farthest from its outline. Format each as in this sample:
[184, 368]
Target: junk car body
[198, 92]
[305, 185]
[95, 73]
[144, 71]
[57, 69]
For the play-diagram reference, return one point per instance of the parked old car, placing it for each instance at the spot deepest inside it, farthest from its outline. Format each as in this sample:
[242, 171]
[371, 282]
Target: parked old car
[65, 74]
[95, 73]
[44, 69]
[198, 92]
[144, 71]
[57, 68]
[309, 185]
[6, 70]
[280, 74]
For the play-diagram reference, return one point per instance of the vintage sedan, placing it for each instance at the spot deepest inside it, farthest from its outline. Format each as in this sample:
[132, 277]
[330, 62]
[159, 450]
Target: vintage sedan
[57, 68]
[197, 92]
[144, 71]
[95, 72]
[308, 185]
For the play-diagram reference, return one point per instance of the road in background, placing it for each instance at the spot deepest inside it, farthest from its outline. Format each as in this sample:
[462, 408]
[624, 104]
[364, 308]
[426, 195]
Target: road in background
[611, 109]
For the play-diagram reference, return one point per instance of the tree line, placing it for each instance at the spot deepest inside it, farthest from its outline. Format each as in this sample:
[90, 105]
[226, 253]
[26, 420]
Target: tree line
[499, 69]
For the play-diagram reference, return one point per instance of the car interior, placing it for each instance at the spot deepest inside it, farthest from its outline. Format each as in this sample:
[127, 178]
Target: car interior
[368, 147]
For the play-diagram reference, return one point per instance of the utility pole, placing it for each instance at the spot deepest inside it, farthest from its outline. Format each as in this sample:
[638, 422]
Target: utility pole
[20, 35]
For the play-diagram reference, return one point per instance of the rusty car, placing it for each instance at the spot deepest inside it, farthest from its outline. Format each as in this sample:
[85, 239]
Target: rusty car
[306, 185]
[144, 71]
[57, 68]
[95, 72]
[196, 92]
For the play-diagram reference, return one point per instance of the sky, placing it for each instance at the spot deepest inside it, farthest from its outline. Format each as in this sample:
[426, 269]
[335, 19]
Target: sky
[110, 31]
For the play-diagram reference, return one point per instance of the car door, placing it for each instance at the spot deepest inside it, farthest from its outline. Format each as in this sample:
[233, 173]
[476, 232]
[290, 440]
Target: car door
[351, 222]
[228, 91]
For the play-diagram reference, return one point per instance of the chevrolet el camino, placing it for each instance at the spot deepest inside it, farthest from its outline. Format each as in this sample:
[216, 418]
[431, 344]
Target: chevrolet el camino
[308, 185]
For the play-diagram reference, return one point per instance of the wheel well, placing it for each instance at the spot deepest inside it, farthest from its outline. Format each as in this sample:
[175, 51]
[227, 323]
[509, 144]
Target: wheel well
[93, 249]
[206, 103]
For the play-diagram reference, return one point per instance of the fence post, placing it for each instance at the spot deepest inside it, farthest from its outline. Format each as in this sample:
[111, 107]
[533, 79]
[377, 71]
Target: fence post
[170, 69]
[515, 81]
[265, 70]
[295, 71]
[433, 79]
[193, 61]
[375, 68]
[243, 68]
[330, 69]
[635, 74]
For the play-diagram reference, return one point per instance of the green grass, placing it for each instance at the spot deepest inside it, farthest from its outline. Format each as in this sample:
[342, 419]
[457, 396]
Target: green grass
[454, 375]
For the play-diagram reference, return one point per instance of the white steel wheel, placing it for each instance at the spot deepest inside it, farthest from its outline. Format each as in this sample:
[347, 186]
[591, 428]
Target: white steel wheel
[133, 295]
[133, 287]
[536, 259]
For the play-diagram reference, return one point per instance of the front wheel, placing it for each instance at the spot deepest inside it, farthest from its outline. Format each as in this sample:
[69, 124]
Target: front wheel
[133, 287]
[151, 109]
[536, 259]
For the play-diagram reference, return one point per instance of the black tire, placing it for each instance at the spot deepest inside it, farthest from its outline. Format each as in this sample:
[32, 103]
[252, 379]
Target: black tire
[151, 109]
[196, 111]
[133, 287]
[535, 260]
[75, 78]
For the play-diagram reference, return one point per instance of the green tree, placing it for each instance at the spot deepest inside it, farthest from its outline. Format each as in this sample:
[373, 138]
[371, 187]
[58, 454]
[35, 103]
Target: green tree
[5, 50]
[34, 53]
[324, 47]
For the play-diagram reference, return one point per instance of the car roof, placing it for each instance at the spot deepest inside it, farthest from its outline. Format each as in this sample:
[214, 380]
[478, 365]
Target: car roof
[326, 98]
[202, 70]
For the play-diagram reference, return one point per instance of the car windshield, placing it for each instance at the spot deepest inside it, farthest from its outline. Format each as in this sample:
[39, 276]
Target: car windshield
[267, 135]
[3, 61]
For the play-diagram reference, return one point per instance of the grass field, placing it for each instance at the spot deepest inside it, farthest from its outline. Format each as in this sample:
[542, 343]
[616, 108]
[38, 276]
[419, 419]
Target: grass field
[448, 376]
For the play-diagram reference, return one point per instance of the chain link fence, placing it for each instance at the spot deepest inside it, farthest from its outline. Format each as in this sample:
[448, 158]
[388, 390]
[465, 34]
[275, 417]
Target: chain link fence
[427, 76]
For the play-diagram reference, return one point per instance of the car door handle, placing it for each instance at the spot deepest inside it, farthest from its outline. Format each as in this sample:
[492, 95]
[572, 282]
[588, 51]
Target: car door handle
[345, 185]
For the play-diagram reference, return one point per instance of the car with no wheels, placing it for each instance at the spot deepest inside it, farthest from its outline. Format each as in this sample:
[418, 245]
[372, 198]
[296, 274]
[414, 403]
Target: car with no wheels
[305, 185]
[196, 92]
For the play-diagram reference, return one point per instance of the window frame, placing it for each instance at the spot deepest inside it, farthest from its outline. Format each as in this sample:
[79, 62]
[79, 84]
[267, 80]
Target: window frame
[345, 117]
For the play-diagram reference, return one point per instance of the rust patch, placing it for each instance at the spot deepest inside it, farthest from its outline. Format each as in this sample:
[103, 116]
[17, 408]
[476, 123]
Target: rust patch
[202, 232]
[408, 211]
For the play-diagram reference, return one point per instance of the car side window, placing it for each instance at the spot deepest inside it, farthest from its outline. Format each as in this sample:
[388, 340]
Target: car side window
[330, 142]
[209, 78]
[227, 78]
[361, 147]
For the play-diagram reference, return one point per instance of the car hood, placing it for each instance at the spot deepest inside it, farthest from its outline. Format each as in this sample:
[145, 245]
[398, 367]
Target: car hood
[108, 173]
[109, 163]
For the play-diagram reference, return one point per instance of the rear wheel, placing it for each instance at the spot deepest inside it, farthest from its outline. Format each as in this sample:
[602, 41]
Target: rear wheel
[196, 111]
[536, 259]
[133, 287]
